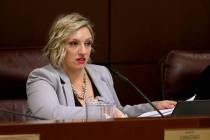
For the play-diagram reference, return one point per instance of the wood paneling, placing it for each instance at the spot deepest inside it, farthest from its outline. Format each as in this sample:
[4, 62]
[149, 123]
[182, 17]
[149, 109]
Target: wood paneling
[145, 77]
[144, 31]
[123, 129]
[26, 23]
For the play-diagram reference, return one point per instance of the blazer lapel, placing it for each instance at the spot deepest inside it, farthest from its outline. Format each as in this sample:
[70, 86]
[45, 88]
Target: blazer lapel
[100, 84]
[67, 89]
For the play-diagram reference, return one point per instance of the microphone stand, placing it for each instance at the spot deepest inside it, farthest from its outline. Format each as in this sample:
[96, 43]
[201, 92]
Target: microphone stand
[21, 114]
[136, 88]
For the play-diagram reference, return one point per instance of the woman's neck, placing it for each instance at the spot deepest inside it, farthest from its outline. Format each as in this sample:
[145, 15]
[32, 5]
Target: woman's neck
[75, 75]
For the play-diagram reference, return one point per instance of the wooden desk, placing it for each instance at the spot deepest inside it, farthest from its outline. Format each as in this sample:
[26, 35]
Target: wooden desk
[119, 129]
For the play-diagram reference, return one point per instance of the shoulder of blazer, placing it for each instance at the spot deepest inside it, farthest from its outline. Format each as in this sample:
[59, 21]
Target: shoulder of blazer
[98, 69]
[47, 73]
[101, 72]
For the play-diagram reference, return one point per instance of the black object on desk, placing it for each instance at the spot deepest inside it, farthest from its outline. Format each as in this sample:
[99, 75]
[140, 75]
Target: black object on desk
[192, 108]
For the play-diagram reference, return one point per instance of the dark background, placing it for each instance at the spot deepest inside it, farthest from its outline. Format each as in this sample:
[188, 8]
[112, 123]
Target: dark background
[133, 36]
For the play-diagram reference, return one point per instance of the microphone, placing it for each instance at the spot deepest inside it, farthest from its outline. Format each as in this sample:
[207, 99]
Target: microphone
[20, 114]
[136, 88]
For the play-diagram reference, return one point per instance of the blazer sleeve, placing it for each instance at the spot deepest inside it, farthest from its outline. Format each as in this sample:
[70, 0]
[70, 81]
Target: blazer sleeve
[43, 101]
[131, 111]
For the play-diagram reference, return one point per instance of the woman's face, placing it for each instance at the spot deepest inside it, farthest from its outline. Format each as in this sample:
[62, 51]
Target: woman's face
[78, 49]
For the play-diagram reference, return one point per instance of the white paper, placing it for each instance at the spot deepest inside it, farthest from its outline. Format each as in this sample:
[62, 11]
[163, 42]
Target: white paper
[156, 114]
[165, 112]
[192, 98]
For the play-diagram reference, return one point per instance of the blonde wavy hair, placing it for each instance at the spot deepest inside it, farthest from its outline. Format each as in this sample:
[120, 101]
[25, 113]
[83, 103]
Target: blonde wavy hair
[63, 27]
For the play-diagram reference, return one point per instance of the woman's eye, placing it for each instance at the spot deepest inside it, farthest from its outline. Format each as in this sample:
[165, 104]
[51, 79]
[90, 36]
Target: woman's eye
[88, 44]
[73, 44]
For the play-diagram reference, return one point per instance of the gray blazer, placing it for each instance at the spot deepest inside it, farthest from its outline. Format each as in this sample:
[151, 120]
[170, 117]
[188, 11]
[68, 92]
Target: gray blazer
[50, 94]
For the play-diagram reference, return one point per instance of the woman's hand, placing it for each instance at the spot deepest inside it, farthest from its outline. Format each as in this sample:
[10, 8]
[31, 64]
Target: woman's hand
[119, 114]
[165, 104]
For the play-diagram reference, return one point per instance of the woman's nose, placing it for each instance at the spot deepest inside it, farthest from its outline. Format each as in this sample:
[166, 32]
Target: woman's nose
[82, 49]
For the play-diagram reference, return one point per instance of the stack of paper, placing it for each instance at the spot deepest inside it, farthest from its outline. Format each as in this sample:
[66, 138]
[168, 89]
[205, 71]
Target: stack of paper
[156, 114]
[165, 112]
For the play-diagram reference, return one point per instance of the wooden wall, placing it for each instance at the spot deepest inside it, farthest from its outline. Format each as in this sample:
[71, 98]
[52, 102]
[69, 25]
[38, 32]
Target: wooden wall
[131, 35]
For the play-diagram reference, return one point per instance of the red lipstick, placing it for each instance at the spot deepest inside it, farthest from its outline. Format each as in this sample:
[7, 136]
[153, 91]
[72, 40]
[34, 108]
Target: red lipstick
[80, 60]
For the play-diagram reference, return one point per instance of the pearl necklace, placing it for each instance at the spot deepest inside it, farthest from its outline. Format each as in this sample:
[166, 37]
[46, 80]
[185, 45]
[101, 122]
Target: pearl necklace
[81, 95]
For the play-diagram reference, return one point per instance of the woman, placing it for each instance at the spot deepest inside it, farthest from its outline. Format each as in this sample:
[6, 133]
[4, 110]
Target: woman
[58, 90]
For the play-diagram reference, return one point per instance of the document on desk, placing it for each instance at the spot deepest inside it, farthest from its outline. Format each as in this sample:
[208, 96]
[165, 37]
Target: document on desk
[165, 112]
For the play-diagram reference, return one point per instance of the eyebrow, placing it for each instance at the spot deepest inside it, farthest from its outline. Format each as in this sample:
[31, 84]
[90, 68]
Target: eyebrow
[74, 39]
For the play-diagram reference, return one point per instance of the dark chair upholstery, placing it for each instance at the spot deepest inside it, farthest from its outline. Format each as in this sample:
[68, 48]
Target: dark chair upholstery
[181, 72]
[15, 65]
